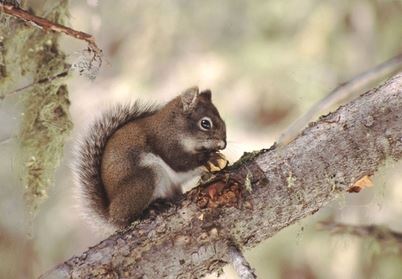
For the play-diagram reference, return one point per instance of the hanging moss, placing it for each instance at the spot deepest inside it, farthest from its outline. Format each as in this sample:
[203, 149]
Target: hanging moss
[45, 125]
[13, 39]
[31, 52]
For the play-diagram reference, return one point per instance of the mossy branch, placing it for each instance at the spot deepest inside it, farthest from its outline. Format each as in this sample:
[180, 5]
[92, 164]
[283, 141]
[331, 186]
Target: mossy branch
[45, 122]
[48, 25]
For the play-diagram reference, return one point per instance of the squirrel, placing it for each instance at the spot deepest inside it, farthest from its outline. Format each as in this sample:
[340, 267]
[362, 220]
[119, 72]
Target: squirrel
[135, 154]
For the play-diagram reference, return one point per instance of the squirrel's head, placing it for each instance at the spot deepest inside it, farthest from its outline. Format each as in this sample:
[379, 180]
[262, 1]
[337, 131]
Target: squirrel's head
[205, 129]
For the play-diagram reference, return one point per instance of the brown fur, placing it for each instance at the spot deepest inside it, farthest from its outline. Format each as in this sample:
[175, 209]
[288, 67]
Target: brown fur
[116, 184]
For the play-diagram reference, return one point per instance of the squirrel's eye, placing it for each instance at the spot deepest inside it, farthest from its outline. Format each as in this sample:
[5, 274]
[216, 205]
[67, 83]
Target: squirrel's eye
[205, 123]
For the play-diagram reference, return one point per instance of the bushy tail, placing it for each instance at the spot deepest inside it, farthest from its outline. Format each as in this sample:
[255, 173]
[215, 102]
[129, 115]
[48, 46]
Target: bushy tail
[88, 158]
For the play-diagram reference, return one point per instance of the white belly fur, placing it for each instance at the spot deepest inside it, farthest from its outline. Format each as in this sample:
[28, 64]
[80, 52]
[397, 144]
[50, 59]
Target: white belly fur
[168, 181]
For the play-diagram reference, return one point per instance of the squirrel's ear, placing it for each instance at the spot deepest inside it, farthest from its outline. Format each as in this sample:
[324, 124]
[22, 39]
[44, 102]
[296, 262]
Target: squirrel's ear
[189, 98]
[206, 94]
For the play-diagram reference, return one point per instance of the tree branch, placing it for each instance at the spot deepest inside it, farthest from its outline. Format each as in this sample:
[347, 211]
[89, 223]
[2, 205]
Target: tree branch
[88, 66]
[379, 233]
[32, 84]
[47, 25]
[341, 93]
[240, 264]
[261, 194]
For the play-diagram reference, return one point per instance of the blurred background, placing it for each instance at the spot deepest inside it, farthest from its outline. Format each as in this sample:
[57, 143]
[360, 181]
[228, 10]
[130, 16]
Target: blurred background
[266, 63]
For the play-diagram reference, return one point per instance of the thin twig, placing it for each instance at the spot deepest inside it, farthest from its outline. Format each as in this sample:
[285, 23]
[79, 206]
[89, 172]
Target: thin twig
[240, 264]
[380, 233]
[41, 81]
[340, 93]
[6, 140]
[45, 24]
[94, 63]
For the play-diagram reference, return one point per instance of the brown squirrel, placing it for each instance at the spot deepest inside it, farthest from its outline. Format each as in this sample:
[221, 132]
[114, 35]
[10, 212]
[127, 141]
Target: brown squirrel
[137, 153]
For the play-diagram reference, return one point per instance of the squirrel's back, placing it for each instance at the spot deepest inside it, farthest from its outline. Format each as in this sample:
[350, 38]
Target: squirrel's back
[88, 158]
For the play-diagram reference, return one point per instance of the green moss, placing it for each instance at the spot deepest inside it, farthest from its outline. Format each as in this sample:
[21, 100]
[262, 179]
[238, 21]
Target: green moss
[246, 157]
[45, 125]
[13, 42]
[33, 53]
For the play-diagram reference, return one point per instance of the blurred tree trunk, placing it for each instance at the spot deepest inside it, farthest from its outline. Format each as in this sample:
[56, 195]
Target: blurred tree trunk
[254, 199]
[30, 54]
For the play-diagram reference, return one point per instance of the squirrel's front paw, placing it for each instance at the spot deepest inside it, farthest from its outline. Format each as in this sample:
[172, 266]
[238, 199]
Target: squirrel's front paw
[216, 162]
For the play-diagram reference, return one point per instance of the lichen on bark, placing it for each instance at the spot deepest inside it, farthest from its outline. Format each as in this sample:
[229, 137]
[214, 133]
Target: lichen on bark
[31, 53]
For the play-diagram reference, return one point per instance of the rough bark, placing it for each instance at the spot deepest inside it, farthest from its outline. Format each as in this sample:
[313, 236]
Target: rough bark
[257, 197]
